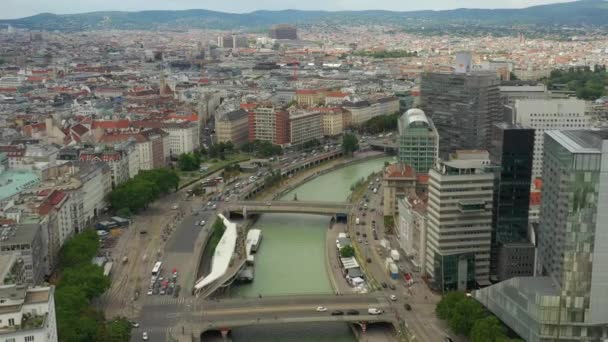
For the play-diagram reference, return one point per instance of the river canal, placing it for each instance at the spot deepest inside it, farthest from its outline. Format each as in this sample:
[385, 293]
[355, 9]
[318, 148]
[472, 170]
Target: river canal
[291, 259]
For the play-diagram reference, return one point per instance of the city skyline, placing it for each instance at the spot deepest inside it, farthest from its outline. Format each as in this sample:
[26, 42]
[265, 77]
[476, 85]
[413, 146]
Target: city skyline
[22, 8]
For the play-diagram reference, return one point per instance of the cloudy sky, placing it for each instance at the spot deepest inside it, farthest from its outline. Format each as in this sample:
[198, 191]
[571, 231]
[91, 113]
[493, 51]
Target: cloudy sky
[21, 8]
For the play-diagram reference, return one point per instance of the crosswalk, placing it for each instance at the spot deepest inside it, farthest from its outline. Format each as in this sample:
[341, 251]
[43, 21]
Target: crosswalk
[165, 300]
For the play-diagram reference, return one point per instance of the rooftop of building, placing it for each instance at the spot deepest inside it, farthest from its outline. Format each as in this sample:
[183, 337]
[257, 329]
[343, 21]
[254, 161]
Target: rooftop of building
[234, 115]
[398, 171]
[13, 182]
[580, 141]
[22, 234]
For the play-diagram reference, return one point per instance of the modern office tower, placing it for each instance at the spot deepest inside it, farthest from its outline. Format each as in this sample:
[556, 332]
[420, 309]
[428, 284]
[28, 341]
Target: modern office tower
[549, 114]
[512, 152]
[463, 107]
[569, 302]
[283, 31]
[418, 141]
[460, 221]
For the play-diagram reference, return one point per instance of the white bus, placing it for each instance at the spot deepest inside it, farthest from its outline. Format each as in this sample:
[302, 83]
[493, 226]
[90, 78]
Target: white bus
[156, 269]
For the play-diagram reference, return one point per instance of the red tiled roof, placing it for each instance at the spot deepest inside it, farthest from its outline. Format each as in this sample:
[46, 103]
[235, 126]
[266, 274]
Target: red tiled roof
[191, 117]
[336, 94]
[111, 124]
[422, 178]
[400, 170]
[80, 129]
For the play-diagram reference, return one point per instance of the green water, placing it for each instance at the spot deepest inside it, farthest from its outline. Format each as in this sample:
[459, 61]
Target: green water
[291, 258]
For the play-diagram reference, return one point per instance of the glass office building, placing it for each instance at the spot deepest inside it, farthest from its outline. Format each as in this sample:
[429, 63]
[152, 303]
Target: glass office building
[570, 301]
[418, 141]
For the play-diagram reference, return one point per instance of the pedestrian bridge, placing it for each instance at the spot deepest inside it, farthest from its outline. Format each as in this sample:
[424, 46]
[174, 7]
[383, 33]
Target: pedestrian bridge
[246, 208]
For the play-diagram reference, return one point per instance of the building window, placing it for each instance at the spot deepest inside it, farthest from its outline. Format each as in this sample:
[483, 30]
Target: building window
[11, 322]
[29, 338]
[9, 340]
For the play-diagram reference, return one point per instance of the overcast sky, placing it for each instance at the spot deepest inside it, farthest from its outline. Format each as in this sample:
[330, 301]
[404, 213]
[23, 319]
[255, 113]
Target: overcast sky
[22, 8]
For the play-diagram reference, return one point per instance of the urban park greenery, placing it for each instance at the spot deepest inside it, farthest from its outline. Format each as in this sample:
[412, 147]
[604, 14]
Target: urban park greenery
[467, 317]
[137, 193]
[79, 283]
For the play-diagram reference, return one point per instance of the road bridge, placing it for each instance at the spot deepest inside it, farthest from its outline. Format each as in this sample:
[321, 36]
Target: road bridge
[246, 208]
[197, 317]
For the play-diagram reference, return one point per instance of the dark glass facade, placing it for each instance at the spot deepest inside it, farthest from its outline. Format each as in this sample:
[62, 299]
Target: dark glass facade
[463, 108]
[512, 152]
[454, 272]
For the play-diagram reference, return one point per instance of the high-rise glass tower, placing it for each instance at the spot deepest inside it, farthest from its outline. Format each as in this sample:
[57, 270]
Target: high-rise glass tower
[570, 301]
[463, 107]
[418, 141]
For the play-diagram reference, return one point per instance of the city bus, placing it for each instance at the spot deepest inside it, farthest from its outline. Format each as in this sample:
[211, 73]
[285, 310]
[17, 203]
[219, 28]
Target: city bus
[157, 268]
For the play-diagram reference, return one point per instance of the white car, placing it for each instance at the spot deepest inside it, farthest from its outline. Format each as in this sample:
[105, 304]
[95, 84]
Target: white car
[374, 311]
[150, 291]
[174, 207]
[202, 223]
[144, 336]
[393, 297]
[321, 309]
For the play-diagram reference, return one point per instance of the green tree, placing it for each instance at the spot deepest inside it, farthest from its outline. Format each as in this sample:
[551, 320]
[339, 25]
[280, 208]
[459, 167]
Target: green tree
[466, 313]
[189, 162]
[347, 251]
[448, 303]
[79, 250]
[88, 277]
[117, 330]
[350, 143]
[488, 329]
[124, 212]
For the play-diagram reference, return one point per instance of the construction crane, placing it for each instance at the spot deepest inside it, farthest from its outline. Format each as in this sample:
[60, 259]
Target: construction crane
[295, 63]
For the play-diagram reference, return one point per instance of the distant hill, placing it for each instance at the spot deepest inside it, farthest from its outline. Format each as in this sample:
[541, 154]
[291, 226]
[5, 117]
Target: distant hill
[574, 14]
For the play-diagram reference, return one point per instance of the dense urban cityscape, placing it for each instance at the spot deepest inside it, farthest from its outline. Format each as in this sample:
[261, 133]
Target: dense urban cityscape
[304, 176]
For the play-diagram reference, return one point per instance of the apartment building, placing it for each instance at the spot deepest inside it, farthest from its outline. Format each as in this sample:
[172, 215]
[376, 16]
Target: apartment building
[25, 241]
[27, 314]
[305, 126]
[232, 126]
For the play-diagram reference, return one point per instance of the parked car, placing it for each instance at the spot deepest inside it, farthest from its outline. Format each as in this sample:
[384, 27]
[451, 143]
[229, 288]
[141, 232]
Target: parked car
[135, 324]
[176, 292]
[144, 336]
[393, 298]
[352, 312]
[321, 309]
[384, 285]
[337, 313]
[407, 307]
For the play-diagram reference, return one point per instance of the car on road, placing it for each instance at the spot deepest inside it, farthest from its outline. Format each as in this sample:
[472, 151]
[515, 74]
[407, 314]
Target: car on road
[352, 312]
[176, 292]
[202, 223]
[393, 298]
[321, 309]
[337, 313]
[144, 336]
[214, 206]
[384, 285]
[156, 291]
[142, 232]
[374, 311]
[407, 307]
[135, 324]
[150, 292]
[170, 290]
[162, 292]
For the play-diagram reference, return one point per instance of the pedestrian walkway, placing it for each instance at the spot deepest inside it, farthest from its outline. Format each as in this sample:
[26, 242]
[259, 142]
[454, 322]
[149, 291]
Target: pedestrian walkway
[169, 299]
